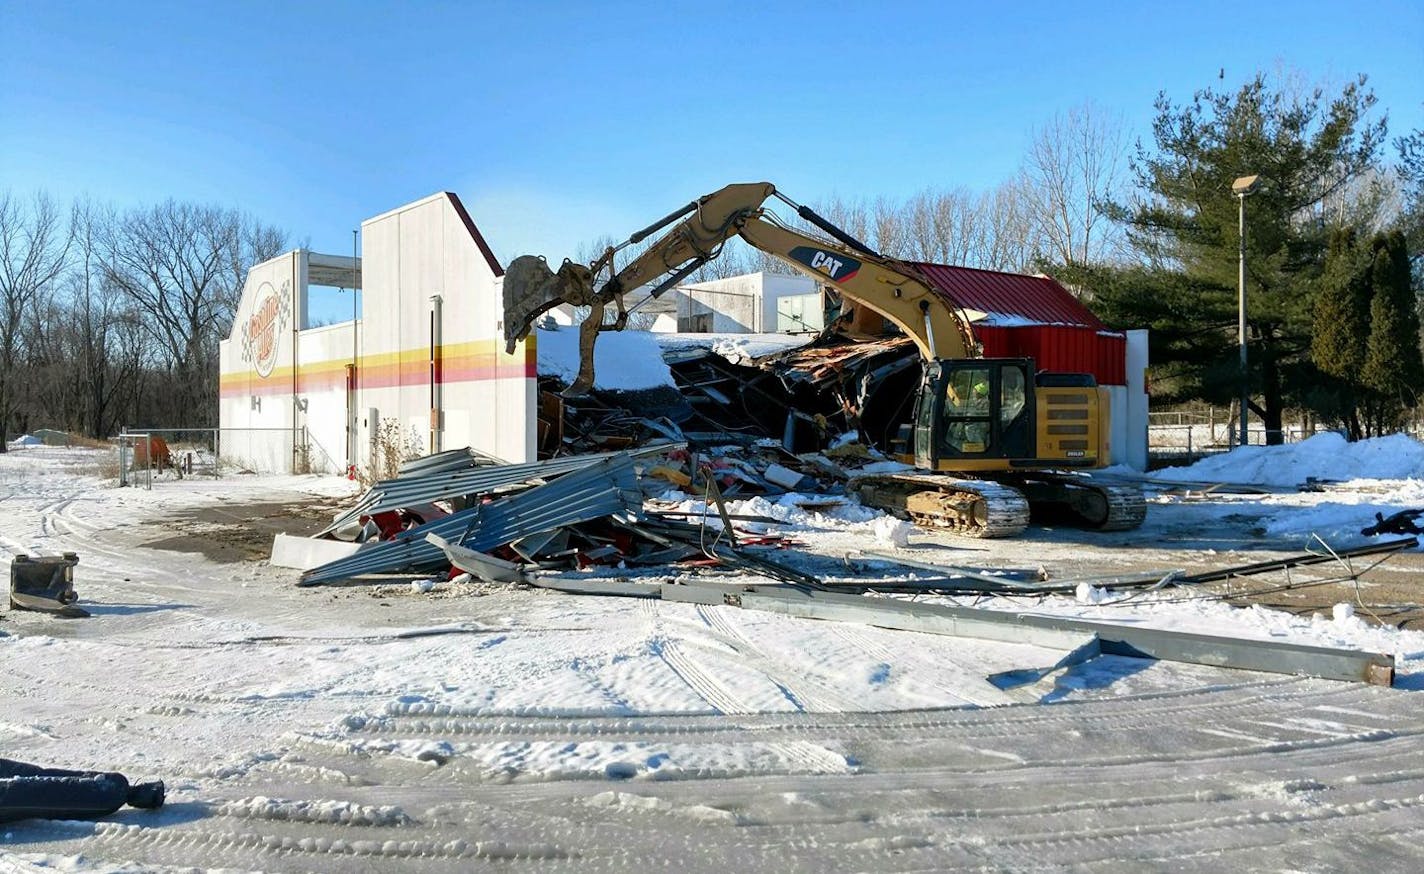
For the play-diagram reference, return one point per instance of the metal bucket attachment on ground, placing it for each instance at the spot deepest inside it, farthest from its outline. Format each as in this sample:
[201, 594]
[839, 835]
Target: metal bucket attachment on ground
[46, 584]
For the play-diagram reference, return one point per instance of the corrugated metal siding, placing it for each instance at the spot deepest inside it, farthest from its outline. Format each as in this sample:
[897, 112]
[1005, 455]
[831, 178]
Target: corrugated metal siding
[1065, 336]
[1037, 299]
[1061, 349]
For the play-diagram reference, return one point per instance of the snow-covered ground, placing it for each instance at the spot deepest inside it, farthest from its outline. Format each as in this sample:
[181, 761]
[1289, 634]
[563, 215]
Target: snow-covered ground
[463, 728]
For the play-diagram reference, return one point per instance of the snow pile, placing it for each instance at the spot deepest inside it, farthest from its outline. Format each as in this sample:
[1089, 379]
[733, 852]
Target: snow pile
[737, 348]
[622, 360]
[1087, 593]
[892, 531]
[792, 509]
[1339, 515]
[1324, 456]
[24, 441]
[745, 347]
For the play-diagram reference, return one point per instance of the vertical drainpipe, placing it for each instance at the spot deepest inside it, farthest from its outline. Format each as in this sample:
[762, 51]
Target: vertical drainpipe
[299, 272]
[353, 378]
[437, 377]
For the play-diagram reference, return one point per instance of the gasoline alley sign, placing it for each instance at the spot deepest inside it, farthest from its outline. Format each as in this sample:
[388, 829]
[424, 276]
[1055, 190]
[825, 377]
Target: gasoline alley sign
[263, 329]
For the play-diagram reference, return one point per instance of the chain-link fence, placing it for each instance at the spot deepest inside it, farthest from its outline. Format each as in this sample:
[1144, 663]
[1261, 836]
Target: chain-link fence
[146, 453]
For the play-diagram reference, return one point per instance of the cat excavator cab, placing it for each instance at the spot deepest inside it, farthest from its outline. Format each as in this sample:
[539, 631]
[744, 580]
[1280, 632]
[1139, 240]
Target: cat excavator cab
[989, 437]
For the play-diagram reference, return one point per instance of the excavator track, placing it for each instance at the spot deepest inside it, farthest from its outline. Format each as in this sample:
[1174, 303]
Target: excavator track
[1127, 507]
[973, 508]
[1085, 503]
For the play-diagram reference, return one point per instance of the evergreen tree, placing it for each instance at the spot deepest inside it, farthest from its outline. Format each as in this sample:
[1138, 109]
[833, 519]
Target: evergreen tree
[1411, 178]
[1393, 367]
[1341, 326]
[1185, 228]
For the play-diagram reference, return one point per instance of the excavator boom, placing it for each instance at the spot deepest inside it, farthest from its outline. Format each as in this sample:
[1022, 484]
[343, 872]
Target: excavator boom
[531, 288]
[889, 286]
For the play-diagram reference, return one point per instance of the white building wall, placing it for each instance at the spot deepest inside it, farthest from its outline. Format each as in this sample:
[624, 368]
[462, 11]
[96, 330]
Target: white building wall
[774, 287]
[441, 386]
[1129, 407]
[256, 413]
[486, 398]
[740, 304]
[321, 409]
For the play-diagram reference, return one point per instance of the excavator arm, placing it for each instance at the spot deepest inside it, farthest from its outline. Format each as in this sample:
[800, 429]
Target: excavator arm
[893, 288]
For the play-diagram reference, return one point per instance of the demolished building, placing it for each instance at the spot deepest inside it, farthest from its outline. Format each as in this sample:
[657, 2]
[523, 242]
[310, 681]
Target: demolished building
[420, 367]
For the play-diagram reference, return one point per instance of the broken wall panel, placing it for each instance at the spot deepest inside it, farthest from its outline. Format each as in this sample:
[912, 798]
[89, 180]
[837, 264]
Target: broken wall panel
[422, 488]
[606, 488]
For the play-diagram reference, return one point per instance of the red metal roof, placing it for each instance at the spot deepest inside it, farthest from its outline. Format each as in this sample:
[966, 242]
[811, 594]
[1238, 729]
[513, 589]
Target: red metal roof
[1036, 300]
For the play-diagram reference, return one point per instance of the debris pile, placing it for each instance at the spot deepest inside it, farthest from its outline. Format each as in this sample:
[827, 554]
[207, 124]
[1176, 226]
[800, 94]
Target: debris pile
[465, 510]
[801, 397]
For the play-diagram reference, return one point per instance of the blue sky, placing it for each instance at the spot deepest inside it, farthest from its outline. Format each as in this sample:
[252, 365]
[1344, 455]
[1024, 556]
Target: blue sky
[559, 122]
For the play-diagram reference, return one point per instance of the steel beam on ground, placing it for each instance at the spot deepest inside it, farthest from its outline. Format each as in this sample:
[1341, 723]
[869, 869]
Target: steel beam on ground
[880, 612]
[1068, 633]
[1011, 579]
[1277, 564]
[619, 588]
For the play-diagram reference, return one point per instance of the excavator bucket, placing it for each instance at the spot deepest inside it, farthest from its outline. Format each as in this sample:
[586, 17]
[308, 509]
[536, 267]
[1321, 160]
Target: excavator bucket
[45, 584]
[532, 289]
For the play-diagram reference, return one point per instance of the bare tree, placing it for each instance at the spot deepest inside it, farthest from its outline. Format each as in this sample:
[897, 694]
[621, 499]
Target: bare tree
[105, 330]
[34, 243]
[1009, 238]
[182, 266]
[256, 243]
[1074, 164]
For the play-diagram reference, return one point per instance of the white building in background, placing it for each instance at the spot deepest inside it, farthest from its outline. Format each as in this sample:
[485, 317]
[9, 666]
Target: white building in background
[754, 303]
[658, 315]
[423, 365]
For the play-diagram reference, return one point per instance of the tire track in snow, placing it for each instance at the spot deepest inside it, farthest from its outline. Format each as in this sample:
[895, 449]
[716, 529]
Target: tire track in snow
[50, 513]
[698, 679]
[968, 731]
[804, 692]
[1117, 842]
[701, 681]
[364, 845]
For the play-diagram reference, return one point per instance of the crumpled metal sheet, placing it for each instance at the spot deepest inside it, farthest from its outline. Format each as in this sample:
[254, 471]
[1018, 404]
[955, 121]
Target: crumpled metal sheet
[607, 487]
[424, 488]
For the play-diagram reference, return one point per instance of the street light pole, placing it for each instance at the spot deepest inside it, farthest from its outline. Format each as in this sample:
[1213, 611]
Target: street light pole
[1242, 187]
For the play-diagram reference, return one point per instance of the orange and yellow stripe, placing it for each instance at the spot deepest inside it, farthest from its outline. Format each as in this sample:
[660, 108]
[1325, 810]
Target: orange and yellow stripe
[474, 361]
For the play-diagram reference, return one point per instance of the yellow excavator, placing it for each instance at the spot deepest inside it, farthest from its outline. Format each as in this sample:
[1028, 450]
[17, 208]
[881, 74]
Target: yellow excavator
[989, 436]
